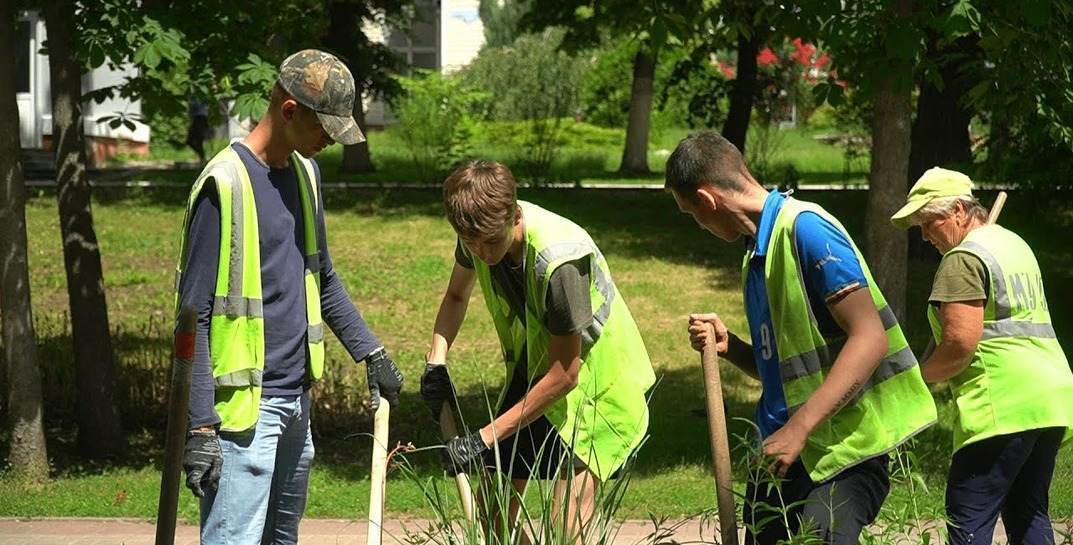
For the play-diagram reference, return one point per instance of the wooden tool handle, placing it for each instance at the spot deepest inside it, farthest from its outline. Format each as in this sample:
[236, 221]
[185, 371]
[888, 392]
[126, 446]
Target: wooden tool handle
[449, 431]
[175, 438]
[996, 209]
[378, 474]
[717, 432]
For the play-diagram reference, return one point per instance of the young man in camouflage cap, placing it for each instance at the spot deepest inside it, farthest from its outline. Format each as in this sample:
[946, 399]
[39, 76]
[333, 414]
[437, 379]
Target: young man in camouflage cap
[255, 265]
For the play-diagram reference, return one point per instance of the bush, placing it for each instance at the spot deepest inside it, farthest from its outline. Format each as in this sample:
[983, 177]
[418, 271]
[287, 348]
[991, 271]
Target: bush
[533, 83]
[696, 93]
[434, 121]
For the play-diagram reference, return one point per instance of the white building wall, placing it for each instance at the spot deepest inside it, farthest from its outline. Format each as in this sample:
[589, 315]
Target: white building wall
[461, 33]
[40, 99]
[460, 37]
[375, 110]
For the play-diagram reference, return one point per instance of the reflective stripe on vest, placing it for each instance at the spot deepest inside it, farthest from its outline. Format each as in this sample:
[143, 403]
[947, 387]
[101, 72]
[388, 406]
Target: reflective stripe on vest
[605, 417]
[236, 331]
[1018, 377]
[889, 408]
[559, 251]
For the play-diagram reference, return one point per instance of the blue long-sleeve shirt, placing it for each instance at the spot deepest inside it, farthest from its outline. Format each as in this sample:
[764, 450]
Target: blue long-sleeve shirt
[281, 242]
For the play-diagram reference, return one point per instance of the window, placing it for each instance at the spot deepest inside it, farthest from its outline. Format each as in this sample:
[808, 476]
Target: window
[419, 45]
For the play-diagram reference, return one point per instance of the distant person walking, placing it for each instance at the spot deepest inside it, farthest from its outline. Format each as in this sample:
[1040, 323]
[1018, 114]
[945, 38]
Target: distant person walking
[199, 127]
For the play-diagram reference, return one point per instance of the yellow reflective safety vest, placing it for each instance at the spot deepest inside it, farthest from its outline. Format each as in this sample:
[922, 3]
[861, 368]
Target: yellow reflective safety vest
[236, 330]
[892, 406]
[1018, 378]
[605, 417]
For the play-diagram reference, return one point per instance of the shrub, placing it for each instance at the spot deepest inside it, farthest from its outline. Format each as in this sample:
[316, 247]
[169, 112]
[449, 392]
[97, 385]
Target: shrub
[533, 83]
[434, 121]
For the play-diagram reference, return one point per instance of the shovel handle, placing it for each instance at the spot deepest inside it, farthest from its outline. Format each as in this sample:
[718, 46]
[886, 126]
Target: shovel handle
[717, 434]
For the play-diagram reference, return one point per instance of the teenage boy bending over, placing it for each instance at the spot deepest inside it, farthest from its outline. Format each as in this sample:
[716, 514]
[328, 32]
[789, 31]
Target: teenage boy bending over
[573, 405]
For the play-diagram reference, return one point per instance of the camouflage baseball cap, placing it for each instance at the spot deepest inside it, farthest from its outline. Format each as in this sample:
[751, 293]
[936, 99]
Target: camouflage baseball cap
[321, 82]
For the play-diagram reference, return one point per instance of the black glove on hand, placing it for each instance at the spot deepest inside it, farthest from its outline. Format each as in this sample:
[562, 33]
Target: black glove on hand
[463, 451]
[384, 378]
[436, 389]
[202, 461]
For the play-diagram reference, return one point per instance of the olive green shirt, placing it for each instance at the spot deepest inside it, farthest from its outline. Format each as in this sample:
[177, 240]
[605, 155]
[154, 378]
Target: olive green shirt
[961, 277]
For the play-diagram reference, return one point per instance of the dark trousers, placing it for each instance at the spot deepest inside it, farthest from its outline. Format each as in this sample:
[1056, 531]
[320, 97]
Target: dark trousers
[836, 510]
[1008, 475]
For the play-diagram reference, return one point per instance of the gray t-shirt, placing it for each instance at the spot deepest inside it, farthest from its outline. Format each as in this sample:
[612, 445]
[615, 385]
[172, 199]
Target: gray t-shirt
[568, 302]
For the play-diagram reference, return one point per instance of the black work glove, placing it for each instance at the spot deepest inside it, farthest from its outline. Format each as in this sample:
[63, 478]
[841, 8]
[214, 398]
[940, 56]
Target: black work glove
[463, 451]
[202, 461]
[436, 388]
[384, 378]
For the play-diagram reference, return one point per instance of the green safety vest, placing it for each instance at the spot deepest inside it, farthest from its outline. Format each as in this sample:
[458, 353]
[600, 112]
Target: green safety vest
[1018, 378]
[889, 409]
[236, 330]
[605, 417]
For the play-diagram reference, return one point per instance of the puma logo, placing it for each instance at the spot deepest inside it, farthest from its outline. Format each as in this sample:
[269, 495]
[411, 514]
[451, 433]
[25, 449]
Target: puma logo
[829, 258]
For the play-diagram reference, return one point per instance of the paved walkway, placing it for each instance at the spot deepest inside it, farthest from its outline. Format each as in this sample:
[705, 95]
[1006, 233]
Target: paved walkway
[114, 531]
[110, 531]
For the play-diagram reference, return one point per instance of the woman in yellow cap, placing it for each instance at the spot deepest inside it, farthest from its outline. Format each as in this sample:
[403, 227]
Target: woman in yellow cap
[996, 347]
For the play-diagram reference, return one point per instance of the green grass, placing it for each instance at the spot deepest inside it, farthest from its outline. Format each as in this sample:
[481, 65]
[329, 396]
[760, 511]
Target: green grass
[592, 161]
[394, 252]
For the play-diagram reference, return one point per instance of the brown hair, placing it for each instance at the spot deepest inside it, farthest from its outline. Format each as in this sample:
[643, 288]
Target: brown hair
[480, 199]
[706, 158]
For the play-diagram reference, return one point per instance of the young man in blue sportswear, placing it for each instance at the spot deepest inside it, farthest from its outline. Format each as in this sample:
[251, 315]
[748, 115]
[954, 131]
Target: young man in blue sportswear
[841, 388]
[255, 266]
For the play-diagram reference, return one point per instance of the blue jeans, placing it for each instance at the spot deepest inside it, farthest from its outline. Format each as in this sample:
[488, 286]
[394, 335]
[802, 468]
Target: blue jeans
[1007, 475]
[262, 491]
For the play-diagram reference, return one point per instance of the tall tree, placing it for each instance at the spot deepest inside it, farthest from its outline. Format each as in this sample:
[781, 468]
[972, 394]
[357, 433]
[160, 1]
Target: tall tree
[100, 433]
[940, 133]
[748, 25]
[371, 63]
[639, 122]
[27, 456]
[502, 20]
[654, 24]
[743, 92]
[875, 44]
[887, 247]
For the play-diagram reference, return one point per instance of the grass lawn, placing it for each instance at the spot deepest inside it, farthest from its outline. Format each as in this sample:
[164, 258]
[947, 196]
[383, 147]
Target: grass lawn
[592, 163]
[394, 251]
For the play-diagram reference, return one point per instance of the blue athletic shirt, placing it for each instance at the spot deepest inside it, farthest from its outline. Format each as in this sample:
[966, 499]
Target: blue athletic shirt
[829, 264]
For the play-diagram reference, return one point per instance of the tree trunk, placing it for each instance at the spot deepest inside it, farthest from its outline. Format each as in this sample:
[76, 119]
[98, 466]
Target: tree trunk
[27, 455]
[743, 92]
[635, 154]
[344, 20]
[887, 247]
[941, 129]
[356, 158]
[100, 433]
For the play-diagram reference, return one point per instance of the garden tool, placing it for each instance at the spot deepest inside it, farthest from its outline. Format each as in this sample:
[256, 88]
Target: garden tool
[717, 434]
[378, 474]
[448, 431]
[178, 399]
